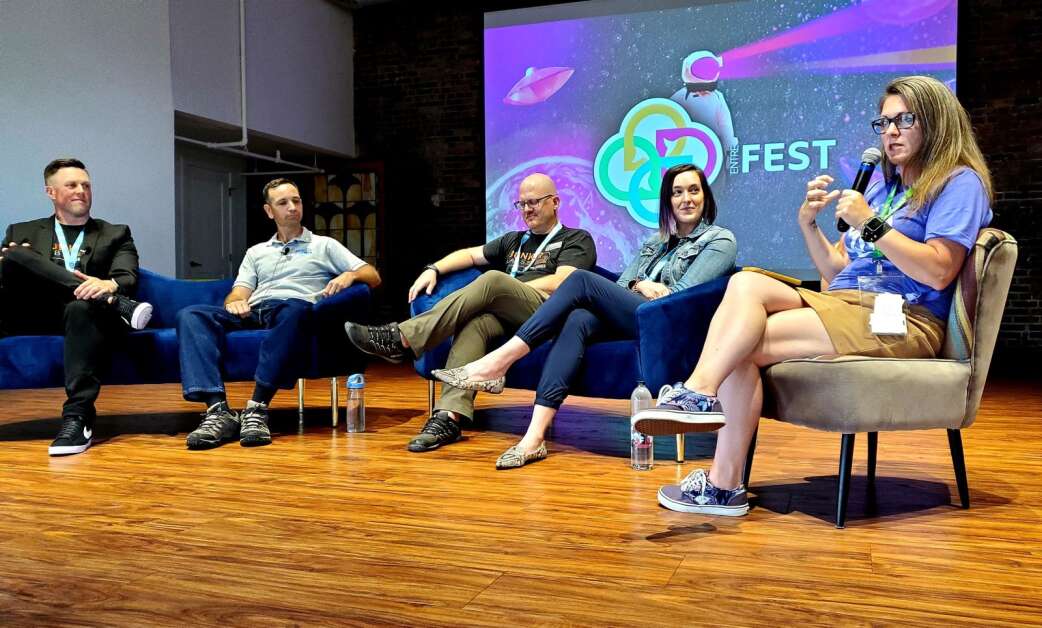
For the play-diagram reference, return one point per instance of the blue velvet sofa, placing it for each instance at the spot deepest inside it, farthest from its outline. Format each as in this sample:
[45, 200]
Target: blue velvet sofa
[672, 331]
[150, 356]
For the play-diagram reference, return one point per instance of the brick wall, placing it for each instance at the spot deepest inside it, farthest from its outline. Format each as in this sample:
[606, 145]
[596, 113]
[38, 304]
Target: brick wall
[1000, 52]
[418, 82]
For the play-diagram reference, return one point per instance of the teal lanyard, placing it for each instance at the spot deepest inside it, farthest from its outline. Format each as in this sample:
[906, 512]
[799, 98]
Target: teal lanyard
[888, 209]
[69, 253]
[542, 245]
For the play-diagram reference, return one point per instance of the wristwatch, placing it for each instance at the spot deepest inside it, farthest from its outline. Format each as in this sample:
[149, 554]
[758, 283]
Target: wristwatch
[873, 229]
[437, 273]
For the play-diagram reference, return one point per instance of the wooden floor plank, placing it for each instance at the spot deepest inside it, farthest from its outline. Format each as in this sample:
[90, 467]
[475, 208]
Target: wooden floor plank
[327, 528]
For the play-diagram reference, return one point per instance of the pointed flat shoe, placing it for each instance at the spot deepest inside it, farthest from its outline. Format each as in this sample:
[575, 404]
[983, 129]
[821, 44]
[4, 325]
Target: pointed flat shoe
[457, 377]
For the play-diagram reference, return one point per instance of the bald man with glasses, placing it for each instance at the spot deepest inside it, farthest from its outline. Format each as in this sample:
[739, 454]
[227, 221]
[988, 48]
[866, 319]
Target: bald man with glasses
[527, 266]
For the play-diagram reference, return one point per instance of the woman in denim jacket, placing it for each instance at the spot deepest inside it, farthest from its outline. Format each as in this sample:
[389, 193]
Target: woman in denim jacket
[687, 250]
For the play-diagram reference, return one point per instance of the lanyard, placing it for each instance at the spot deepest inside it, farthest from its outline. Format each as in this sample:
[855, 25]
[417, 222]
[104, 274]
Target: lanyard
[888, 209]
[69, 253]
[542, 245]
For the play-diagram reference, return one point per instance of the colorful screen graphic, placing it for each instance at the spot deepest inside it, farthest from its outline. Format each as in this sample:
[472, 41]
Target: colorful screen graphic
[762, 95]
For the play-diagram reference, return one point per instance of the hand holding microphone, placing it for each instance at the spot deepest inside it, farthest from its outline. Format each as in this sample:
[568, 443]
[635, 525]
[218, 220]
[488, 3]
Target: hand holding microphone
[849, 202]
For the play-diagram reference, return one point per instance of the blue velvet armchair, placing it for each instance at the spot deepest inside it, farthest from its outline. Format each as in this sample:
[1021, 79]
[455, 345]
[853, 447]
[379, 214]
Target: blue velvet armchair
[672, 331]
[150, 356]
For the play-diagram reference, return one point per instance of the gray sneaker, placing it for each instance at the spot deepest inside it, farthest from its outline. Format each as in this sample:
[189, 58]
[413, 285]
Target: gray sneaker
[439, 430]
[678, 411]
[383, 341]
[219, 426]
[255, 432]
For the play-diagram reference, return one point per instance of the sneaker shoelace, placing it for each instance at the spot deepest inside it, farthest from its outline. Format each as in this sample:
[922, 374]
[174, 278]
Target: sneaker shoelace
[213, 421]
[70, 428]
[695, 482]
[252, 420]
[438, 426]
[385, 338]
[670, 396]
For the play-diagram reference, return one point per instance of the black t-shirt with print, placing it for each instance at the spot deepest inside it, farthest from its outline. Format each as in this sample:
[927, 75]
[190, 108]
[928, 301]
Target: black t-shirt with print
[71, 232]
[570, 247]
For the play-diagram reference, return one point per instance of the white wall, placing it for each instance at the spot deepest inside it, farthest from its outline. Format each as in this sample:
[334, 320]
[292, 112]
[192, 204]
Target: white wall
[204, 58]
[90, 79]
[299, 68]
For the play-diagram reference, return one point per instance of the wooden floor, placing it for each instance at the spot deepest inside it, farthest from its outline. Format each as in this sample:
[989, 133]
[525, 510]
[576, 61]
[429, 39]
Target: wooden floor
[329, 528]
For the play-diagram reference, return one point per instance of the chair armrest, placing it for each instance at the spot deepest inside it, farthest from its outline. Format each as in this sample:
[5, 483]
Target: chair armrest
[447, 284]
[673, 329]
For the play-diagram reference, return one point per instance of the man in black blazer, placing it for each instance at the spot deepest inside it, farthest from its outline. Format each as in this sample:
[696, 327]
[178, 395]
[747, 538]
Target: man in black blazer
[70, 274]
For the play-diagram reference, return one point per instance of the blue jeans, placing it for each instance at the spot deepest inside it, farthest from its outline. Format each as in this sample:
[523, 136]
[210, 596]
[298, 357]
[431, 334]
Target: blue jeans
[584, 307]
[202, 331]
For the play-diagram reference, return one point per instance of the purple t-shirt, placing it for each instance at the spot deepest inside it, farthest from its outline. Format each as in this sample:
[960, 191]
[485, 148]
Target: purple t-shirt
[956, 214]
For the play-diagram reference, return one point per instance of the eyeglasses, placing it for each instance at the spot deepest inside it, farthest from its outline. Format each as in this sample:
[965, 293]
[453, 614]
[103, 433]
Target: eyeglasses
[902, 121]
[532, 203]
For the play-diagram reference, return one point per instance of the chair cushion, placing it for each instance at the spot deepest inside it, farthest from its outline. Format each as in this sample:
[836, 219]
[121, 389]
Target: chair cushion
[851, 394]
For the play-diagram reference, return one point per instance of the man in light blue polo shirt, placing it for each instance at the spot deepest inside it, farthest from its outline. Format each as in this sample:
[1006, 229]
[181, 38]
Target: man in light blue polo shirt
[278, 282]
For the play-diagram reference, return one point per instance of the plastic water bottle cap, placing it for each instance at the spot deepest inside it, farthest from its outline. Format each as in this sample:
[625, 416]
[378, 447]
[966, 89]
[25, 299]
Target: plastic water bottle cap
[356, 381]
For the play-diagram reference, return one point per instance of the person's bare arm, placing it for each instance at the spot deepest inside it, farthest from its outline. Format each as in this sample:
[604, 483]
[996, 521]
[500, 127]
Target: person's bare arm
[457, 260]
[238, 301]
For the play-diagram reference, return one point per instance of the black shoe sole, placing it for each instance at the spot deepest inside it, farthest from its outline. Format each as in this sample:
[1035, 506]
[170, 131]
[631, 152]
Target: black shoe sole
[431, 448]
[206, 444]
[254, 442]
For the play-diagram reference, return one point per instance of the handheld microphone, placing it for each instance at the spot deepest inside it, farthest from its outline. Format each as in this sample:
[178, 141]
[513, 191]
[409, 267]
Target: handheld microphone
[285, 249]
[869, 159]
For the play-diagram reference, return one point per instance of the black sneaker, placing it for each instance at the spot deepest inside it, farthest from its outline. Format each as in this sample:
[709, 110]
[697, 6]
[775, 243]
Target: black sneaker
[73, 438]
[439, 430]
[255, 432]
[134, 313]
[384, 341]
[219, 426]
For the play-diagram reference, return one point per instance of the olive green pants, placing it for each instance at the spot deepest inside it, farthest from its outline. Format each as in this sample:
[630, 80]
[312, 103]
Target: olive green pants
[490, 307]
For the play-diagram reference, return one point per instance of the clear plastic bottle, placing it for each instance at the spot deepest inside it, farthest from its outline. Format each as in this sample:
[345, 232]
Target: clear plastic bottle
[642, 448]
[355, 419]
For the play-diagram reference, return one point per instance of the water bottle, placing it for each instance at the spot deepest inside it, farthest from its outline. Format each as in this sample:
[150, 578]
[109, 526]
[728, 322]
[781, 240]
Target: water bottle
[355, 419]
[642, 448]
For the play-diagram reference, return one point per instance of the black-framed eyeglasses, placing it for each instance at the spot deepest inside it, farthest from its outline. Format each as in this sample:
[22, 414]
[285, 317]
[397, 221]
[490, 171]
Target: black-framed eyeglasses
[533, 203]
[903, 120]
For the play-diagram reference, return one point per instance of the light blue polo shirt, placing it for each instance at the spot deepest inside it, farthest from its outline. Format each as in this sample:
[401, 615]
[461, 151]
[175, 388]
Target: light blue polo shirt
[298, 269]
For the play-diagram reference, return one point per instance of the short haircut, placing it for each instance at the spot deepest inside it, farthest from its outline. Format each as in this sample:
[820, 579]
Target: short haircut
[274, 183]
[667, 224]
[62, 162]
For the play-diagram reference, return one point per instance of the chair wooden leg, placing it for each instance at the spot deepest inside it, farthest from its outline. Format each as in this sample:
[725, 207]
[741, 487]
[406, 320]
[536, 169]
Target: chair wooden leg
[300, 399]
[846, 460]
[430, 397]
[749, 460]
[681, 441]
[334, 400]
[955, 443]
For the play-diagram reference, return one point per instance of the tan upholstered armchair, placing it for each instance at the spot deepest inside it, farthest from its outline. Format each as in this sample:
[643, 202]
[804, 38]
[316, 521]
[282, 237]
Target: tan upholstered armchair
[851, 394]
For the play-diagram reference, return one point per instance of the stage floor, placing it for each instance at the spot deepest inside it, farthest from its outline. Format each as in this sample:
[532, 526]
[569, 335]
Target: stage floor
[326, 527]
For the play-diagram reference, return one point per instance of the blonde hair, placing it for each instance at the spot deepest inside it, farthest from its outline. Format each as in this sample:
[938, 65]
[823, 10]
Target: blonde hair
[948, 141]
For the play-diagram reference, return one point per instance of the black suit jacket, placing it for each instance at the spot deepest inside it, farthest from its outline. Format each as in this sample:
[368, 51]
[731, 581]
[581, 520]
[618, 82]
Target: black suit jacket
[108, 249]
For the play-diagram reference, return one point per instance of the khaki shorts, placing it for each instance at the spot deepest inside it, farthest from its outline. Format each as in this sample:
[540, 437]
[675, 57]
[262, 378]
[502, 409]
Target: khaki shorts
[846, 322]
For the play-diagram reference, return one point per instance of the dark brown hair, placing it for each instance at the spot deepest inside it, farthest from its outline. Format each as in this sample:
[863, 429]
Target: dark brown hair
[667, 225]
[274, 183]
[62, 162]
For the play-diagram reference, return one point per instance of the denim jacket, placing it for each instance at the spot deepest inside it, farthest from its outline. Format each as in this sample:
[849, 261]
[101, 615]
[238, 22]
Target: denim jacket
[704, 254]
